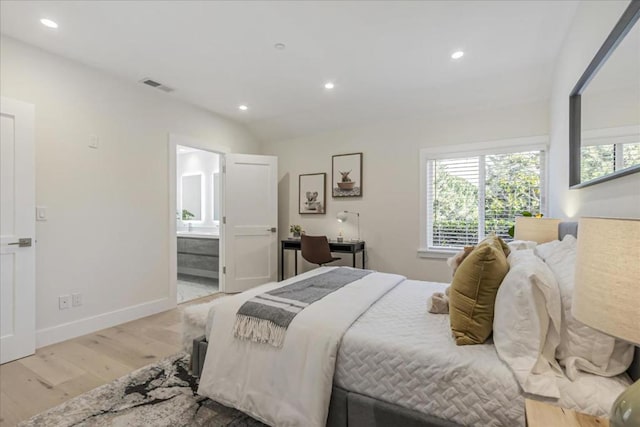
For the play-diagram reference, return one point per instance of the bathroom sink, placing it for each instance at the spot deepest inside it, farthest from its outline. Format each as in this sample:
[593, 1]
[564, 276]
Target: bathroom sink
[198, 234]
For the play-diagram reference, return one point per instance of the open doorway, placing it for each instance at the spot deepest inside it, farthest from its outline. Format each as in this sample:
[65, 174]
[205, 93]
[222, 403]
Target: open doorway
[197, 220]
[231, 206]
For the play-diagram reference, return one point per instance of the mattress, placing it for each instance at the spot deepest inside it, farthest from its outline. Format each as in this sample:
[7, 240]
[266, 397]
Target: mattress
[400, 353]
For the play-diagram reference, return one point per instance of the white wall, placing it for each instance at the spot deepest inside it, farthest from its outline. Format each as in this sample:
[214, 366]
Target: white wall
[390, 204]
[618, 198]
[107, 233]
[206, 164]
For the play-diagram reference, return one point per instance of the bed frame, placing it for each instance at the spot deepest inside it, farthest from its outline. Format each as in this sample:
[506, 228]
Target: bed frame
[349, 409]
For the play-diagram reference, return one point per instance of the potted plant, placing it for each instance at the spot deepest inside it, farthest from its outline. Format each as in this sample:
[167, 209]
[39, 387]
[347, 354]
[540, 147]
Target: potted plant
[186, 215]
[296, 230]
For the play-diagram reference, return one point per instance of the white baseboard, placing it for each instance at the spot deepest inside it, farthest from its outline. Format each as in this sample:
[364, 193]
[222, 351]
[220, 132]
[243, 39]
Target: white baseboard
[66, 331]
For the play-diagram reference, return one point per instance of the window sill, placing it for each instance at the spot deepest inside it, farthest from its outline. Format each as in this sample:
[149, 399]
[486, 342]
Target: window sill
[436, 254]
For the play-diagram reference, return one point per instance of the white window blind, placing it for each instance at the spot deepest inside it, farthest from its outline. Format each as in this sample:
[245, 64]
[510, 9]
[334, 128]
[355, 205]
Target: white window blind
[603, 159]
[608, 150]
[471, 197]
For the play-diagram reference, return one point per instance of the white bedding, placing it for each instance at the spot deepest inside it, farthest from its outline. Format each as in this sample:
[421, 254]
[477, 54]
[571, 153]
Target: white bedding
[288, 386]
[399, 353]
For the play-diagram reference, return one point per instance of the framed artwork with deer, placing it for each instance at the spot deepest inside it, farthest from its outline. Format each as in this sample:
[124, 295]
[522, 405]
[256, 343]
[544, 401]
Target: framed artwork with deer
[346, 175]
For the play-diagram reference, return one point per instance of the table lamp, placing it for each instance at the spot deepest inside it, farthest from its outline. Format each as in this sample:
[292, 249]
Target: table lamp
[342, 217]
[539, 230]
[607, 293]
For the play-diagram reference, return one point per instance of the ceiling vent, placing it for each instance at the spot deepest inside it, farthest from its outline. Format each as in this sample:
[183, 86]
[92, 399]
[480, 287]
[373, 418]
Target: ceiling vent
[156, 85]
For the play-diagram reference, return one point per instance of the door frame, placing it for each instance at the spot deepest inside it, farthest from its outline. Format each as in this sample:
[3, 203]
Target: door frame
[221, 150]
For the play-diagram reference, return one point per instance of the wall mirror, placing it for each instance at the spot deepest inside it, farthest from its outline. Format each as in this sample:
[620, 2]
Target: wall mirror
[604, 132]
[191, 198]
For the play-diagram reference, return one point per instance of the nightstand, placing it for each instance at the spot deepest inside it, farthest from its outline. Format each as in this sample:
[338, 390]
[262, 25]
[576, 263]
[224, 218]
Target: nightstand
[541, 414]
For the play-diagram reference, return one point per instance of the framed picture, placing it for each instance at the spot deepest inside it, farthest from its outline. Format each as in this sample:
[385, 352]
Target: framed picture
[312, 193]
[346, 175]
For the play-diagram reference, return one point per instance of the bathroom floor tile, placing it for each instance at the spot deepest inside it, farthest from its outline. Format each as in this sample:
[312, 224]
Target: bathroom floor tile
[193, 287]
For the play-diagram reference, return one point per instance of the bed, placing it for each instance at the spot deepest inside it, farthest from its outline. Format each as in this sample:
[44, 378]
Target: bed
[397, 365]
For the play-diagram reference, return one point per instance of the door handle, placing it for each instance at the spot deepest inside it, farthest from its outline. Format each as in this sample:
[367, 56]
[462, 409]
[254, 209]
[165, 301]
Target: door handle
[272, 229]
[22, 243]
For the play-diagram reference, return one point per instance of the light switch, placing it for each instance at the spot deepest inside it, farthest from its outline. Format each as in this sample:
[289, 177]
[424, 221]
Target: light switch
[41, 213]
[94, 141]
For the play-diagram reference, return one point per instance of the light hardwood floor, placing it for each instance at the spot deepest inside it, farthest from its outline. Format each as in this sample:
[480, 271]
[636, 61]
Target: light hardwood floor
[61, 371]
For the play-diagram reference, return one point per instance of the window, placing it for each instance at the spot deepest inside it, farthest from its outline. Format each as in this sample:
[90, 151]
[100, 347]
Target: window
[608, 150]
[599, 160]
[471, 195]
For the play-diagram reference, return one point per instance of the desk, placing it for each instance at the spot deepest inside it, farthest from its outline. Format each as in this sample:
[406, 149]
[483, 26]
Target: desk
[338, 247]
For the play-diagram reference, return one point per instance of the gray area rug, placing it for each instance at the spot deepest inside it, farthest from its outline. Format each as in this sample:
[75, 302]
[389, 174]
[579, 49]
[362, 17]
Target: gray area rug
[162, 394]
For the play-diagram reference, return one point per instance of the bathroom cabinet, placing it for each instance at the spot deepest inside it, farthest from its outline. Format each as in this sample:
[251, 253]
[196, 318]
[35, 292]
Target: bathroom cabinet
[198, 256]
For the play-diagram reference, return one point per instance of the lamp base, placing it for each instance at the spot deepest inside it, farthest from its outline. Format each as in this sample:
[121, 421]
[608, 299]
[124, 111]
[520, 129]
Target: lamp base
[626, 409]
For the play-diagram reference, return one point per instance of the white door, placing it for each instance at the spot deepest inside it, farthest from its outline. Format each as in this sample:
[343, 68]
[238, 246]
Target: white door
[250, 217]
[17, 231]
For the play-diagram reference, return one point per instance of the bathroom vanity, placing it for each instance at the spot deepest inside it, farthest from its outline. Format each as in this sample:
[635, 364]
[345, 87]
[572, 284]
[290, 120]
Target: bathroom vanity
[198, 254]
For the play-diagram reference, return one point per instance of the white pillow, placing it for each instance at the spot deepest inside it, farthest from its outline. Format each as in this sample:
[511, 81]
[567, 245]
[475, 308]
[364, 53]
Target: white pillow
[543, 250]
[517, 245]
[526, 323]
[581, 347]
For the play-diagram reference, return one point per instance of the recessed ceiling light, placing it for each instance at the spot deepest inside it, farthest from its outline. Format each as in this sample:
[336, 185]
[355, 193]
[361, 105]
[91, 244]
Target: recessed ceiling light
[280, 46]
[48, 23]
[329, 85]
[243, 107]
[457, 54]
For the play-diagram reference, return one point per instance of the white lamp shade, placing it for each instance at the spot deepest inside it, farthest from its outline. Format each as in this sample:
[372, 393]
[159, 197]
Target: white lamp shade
[607, 283]
[342, 216]
[539, 230]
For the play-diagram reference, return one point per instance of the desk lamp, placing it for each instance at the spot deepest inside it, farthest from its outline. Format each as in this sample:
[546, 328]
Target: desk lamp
[342, 217]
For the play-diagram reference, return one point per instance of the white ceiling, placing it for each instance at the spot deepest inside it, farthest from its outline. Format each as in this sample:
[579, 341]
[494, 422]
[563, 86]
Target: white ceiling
[388, 59]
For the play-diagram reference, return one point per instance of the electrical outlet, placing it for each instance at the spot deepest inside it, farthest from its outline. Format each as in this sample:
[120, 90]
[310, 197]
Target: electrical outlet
[76, 300]
[64, 302]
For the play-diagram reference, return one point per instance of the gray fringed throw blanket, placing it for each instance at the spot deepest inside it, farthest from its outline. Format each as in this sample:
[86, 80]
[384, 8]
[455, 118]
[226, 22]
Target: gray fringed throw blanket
[266, 317]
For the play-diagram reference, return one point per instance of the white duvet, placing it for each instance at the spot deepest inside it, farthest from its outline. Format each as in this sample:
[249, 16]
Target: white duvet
[400, 353]
[290, 386]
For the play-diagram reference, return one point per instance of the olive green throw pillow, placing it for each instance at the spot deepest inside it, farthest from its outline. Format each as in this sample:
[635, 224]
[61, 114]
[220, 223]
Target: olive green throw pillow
[473, 291]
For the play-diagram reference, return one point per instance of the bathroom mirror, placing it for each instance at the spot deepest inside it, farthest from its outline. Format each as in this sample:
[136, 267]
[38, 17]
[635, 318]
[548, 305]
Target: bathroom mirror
[605, 108]
[191, 201]
[216, 195]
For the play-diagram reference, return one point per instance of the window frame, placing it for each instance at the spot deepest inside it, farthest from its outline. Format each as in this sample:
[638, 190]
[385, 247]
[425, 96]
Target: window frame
[502, 146]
